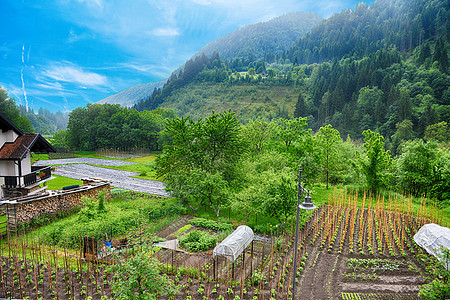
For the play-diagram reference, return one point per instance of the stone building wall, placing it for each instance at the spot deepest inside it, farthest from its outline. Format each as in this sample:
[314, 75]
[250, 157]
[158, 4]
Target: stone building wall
[61, 201]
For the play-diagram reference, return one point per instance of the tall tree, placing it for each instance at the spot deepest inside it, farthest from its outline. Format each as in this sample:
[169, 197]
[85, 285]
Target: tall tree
[300, 107]
[416, 167]
[199, 164]
[374, 160]
[290, 130]
[328, 139]
[256, 134]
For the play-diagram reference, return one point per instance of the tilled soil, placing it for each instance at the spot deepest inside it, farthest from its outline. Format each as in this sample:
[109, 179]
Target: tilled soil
[325, 274]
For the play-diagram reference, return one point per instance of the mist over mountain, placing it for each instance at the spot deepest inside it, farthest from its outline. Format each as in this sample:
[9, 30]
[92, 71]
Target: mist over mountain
[255, 41]
[263, 39]
[132, 95]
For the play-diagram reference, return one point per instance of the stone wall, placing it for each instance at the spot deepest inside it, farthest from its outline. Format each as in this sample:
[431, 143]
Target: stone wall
[57, 201]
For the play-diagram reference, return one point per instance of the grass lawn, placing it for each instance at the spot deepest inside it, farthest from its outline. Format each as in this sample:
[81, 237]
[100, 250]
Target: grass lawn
[36, 157]
[59, 182]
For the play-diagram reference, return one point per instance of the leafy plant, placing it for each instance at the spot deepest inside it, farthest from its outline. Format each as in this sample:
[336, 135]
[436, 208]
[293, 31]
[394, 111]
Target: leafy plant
[197, 240]
[211, 224]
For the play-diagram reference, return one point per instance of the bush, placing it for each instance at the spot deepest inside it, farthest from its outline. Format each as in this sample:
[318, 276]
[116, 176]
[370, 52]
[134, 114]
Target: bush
[125, 211]
[439, 288]
[139, 277]
[211, 224]
[197, 240]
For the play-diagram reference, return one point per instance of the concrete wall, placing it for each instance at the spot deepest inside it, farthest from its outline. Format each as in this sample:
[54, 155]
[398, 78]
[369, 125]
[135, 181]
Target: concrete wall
[26, 211]
[8, 168]
[26, 164]
[9, 136]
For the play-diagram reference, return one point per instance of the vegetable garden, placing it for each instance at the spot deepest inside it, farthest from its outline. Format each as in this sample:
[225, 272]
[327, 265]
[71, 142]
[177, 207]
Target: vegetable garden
[354, 247]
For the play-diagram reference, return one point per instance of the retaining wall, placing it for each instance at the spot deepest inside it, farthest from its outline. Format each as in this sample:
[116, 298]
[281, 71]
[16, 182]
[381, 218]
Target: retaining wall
[58, 201]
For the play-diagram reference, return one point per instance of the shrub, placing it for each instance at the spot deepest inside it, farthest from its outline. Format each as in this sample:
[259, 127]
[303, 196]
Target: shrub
[211, 224]
[125, 211]
[197, 240]
[439, 288]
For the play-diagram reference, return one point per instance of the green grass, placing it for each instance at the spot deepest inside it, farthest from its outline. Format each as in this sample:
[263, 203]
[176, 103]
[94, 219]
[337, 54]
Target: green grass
[3, 227]
[36, 157]
[198, 99]
[125, 211]
[84, 153]
[262, 222]
[59, 182]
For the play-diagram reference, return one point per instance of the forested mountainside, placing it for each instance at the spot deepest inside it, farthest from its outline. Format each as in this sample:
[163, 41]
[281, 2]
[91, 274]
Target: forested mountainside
[264, 39]
[387, 24]
[397, 91]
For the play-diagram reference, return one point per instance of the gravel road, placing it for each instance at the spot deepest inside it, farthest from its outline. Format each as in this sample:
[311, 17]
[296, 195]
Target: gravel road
[118, 178]
[83, 160]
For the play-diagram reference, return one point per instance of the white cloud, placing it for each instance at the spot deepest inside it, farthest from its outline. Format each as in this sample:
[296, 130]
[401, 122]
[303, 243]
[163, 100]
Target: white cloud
[74, 74]
[149, 69]
[74, 37]
[93, 3]
[165, 32]
[202, 2]
[54, 86]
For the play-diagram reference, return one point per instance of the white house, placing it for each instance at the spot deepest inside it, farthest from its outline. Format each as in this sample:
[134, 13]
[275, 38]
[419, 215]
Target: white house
[17, 176]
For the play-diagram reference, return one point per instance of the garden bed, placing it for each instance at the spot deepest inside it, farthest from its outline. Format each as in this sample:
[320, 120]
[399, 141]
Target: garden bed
[345, 252]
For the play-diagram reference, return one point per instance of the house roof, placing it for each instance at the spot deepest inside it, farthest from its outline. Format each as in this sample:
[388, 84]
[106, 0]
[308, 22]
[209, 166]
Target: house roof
[28, 141]
[6, 125]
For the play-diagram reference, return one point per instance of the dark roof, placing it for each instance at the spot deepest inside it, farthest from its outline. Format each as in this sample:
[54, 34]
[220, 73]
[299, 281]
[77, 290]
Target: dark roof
[6, 125]
[29, 141]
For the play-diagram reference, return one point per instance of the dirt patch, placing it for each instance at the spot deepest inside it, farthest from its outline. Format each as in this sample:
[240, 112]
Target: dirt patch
[395, 288]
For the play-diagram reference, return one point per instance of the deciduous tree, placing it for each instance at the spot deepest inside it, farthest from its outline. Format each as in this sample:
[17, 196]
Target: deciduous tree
[374, 160]
[327, 139]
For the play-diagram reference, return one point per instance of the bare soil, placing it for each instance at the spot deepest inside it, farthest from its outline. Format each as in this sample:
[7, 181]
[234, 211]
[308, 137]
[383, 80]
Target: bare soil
[323, 271]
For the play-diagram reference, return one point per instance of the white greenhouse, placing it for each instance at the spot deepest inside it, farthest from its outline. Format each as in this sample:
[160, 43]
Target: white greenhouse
[431, 237]
[234, 244]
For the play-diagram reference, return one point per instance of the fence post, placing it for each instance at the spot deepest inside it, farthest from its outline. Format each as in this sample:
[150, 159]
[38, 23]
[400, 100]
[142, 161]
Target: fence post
[214, 268]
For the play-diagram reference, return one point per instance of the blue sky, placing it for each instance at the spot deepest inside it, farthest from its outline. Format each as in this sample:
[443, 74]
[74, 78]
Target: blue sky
[62, 54]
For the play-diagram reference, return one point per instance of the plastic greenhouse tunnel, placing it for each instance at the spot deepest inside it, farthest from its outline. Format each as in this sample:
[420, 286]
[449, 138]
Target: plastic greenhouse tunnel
[234, 244]
[432, 237]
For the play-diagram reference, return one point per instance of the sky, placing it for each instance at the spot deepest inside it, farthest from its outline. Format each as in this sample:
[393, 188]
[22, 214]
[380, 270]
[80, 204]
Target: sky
[63, 54]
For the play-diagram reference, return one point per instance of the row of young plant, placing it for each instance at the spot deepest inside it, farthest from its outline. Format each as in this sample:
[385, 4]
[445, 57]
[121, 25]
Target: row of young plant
[376, 229]
[31, 270]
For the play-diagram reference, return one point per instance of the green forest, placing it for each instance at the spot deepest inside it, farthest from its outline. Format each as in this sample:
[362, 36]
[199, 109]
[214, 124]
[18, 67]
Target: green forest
[362, 99]
[364, 75]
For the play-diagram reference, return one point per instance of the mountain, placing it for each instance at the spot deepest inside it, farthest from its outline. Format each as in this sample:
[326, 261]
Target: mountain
[383, 67]
[134, 94]
[264, 38]
[399, 24]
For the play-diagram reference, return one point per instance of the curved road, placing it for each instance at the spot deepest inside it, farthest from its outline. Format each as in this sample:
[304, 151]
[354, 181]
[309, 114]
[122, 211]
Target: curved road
[78, 169]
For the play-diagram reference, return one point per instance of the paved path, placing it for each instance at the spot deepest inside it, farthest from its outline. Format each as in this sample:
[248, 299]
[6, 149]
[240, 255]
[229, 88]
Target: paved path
[83, 160]
[118, 178]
